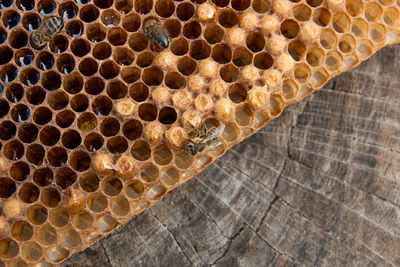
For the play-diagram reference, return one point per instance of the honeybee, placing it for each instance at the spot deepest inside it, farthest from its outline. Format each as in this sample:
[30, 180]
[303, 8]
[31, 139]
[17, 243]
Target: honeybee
[49, 27]
[156, 32]
[204, 139]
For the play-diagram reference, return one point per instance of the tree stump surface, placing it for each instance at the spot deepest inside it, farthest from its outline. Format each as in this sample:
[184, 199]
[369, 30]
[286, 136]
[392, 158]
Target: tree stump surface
[320, 185]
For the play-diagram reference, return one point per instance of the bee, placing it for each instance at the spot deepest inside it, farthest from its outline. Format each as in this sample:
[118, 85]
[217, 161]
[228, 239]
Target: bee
[47, 29]
[156, 32]
[204, 139]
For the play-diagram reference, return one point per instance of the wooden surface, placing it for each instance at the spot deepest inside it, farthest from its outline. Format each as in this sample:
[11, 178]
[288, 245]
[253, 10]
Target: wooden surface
[318, 186]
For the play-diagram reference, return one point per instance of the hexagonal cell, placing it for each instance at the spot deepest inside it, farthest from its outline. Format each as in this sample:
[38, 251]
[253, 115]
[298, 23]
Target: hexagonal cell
[35, 154]
[19, 171]
[302, 12]
[347, 43]
[333, 60]
[102, 105]
[10, 19]
[89, 13]
[31, 21]
[88, 67]
[378, 32]
[120, 206]
[8, 248]
[4, 107]
[175, 80]
[140, 150]
[170, 176]
[228, 18]
[117, 145]
[65, 63]
[8, 130]
[65, 177]
[289, 89]
[74, 28]
[13, 150]
[134, 189]
[31, 251]
[93, 142]
[315, 56]
[138, 41]
[131, 22]
[319, 77]
[186, 65]
[164, 8]
[57, 156]
[46, 235]
[111, 186]
[58, 100]
[354, 7]
[71, 139]
[49, 135]
[73, 83]
[28, 193]
[242, 57]
[213, 34]
[7, 53]
[70, 238]
[364, 48]
[58, 44]
[107, 223]
[116, 89]
[35, 95]
[130, 74]
[82, 221]
[65, 118]
[117, 36]
[302, 72]
[110, 18]
[109, 69]
[96, 32]
[57, 254]
[341, 22]
[29, 76]
[20, 113]
[391, 16]
[143, 6]
[8, 73]
[290, 28]
[22, 231]
[58, 217]
[276, 105]
[36, 214]
[156, 192]
[50, 197]
[44, 60]
[43, 176]
[199, 49]
[23, 57]
[173, 27]
[149, 172]
[97, 202]
[87, 121]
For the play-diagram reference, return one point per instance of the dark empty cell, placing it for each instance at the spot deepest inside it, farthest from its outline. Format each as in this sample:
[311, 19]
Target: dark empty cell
[174, 80]
[57, 156]
[35, 154]
[116, 89]
[45, 60]
[173, 27]
[46, 7]
[179, 46]
[68, 10]
[8, 73]
[7, 130]
[10, 19]
[42, 177]
[222, 53]
[50, 197]
[101, 50]
[314, 3]
[138, 41]
[185, 11]
[228, 18]
[131, 22]
[147, 112]
[71, 139]
[130, 74]
[19, 171]
[144, 59]
[132, 129]
[24, 57]
[49, 135]
[110, 18]
[297, 50]
[117, 145]
[240, 5]
[290, 28]
[89, 181]
[213, 34]
[27, 132]
[58, 44]
[6, 54]
[5, 3]
[4, 107]
[263, 61]
[65, 177]
[237, 93]
[117, 36]
[167, 115]
[42, 115]
[7, 187]
[3, 35]
[28, 193]
[89, 13]
[94, 86]
[65, 63]
[124, 6]
[65, 118]
[199, 49]
[13, 150]
[25, 5]
[140, 150]
[96, 32]
[93, 142]
[322, 16]
[192, 30]
[79, 160]
[109, 126]
[102, 105]
[87, 121]
[221, 3]
[242, 57]
[29, 76]
[139, 92]
[73, 83]
[152, 76]
[255, 41]
[103, 3]
[74, 28]
[124, 56]
[80, 47]
[109, 69]
[261, 6]
[143, 6]
[186, 65]
[14, 92]
[51, 80]
[88, 67]
[229, 73]
[18, 39]
[79, 102]
[164, 8]
[31, 21]
[20, 113]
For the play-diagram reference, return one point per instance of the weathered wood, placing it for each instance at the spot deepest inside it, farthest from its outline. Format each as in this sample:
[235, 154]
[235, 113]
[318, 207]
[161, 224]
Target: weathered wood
[318, 186]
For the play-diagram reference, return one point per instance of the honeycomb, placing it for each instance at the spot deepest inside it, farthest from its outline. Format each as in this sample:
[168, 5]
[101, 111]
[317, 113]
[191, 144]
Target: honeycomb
[93, 125]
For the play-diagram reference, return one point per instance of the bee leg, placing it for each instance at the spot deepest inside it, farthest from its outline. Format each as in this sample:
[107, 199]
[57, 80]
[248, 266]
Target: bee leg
[203, 129]
[196, 130]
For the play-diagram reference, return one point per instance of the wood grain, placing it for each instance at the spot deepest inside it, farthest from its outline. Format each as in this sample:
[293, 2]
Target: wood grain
[318, 186]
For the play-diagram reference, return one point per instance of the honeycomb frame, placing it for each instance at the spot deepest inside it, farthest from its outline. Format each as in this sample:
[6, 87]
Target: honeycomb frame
[93, 125]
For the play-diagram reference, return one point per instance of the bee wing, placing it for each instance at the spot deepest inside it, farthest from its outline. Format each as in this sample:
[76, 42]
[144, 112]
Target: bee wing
[214, 145]
[214, 133]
